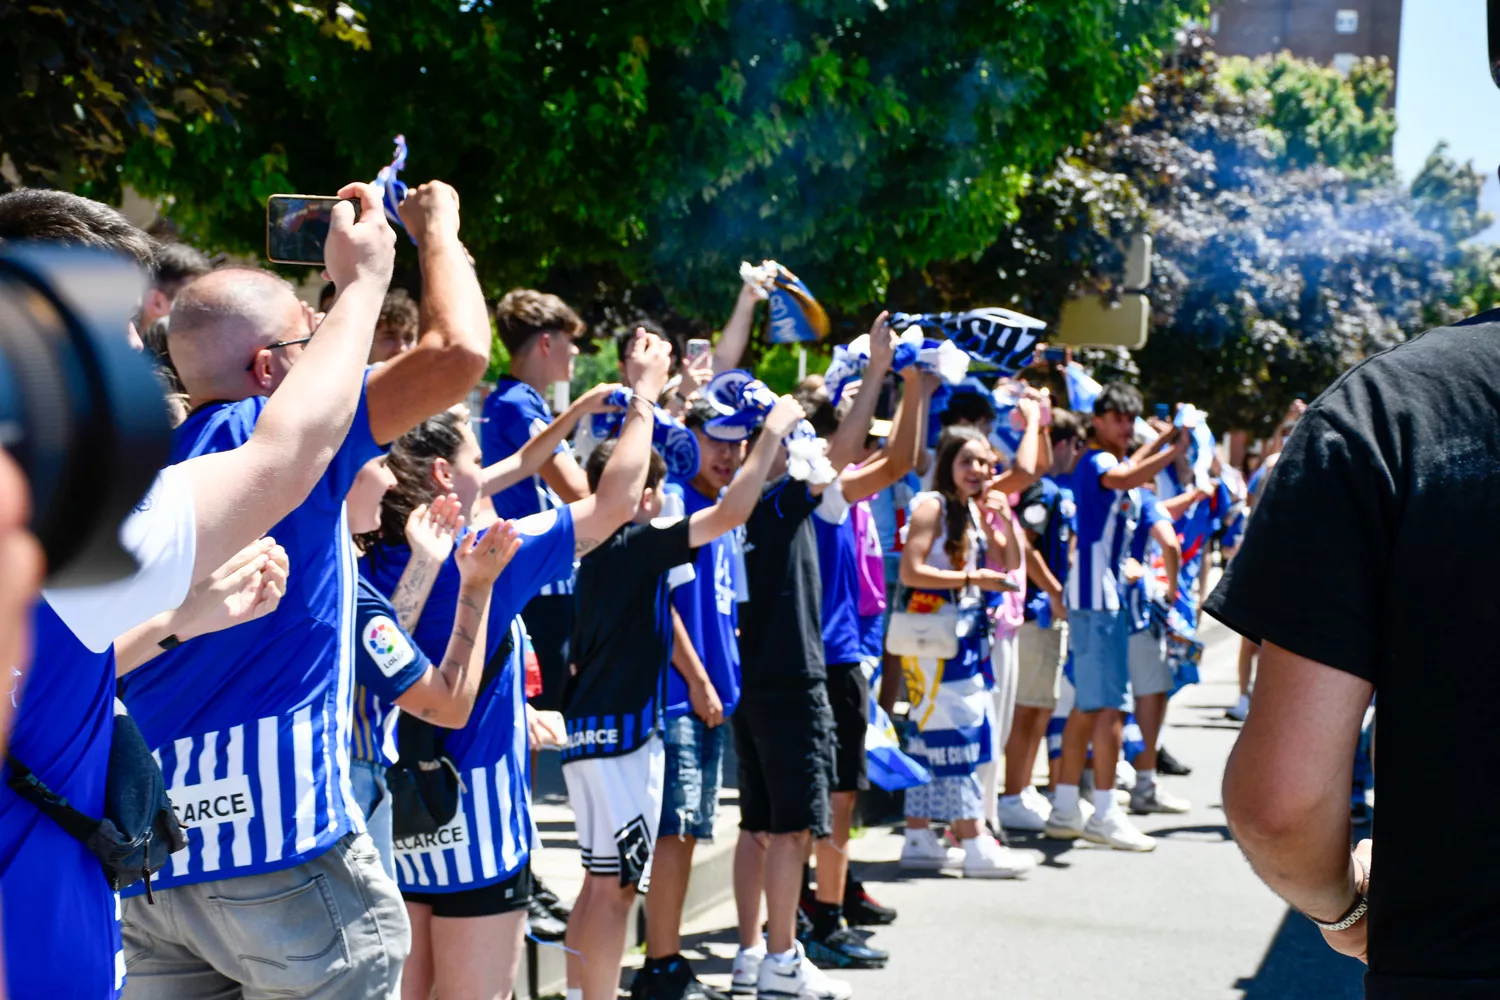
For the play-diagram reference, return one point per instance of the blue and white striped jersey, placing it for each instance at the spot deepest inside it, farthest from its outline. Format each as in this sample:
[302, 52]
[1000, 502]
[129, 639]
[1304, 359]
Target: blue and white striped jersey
[387, 663]
[1105, 519]
[252, 725]
[490, 839]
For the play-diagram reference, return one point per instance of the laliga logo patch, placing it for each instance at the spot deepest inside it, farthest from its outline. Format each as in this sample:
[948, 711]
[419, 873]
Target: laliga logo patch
[387, 646]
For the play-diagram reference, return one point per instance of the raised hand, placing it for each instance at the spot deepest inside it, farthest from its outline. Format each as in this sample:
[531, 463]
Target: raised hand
[596, 400]
[359, 250]
[784, 417]
[430, 211]
[483, 555]
[432, 528]
[882, 343]
[647, 363]
[248, 586]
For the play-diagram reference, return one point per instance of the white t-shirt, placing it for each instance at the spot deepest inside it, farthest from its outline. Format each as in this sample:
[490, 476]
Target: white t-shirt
[161, 533]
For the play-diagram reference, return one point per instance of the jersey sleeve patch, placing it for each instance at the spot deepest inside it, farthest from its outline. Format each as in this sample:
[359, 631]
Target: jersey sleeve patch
[387, 645]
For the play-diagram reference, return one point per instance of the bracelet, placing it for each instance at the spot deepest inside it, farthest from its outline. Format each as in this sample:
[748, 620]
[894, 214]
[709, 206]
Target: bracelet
[650, 406]
[1349, 919]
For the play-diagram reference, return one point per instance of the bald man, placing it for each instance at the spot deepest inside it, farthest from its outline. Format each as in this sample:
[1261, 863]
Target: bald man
[252, 725]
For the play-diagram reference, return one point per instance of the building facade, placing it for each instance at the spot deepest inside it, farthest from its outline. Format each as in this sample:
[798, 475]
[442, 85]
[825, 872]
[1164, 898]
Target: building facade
[1333, 32]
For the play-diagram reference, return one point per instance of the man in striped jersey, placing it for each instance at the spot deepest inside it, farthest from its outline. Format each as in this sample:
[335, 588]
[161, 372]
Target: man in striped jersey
[1108, 511]
[280, 890]
[196, 515]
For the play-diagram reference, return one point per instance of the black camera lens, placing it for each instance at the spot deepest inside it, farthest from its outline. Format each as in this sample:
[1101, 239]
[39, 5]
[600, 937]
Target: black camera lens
[81, 412]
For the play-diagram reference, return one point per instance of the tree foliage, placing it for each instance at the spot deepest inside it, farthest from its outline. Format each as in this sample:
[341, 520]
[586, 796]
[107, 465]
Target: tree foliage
[641, 148]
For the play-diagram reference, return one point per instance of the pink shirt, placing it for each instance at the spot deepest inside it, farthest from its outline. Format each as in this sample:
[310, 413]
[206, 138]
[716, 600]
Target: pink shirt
[870, 561]
[1011, 611]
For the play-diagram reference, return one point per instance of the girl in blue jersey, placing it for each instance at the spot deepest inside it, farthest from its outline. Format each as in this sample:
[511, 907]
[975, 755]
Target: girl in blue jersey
[943, 562]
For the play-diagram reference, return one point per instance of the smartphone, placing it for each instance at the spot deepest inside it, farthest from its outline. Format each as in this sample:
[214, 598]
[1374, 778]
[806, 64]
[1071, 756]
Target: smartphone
[696, 350]
[1053, 355]
[297, 227]
[1163, 411]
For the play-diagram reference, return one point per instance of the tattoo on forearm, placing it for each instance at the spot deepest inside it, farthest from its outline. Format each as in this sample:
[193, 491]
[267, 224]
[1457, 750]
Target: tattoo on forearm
[471, 604]
[462, 634]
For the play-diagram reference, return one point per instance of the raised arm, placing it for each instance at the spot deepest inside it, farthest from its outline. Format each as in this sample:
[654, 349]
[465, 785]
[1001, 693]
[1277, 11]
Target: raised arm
[848, 441]
[1026, 469]
[599, 515]
[735, 337]
[738, 502]
[453, 346]
[430, 533]
[238, 495]
[1143, 466]
[444, 696]
[900, 454]
[534, 453]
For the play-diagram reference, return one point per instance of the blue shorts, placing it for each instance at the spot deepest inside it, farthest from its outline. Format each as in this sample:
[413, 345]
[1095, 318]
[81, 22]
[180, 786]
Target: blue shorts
[695, 773]
[1100, 644]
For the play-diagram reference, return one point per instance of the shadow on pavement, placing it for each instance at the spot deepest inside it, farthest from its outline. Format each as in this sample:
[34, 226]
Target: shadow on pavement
[1299, 964]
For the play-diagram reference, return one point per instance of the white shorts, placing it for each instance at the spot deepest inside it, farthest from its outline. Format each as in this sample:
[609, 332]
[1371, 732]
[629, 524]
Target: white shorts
[617, 808]
[1149, 673]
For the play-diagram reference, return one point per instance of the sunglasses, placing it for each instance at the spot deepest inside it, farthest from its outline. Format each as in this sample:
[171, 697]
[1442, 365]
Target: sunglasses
[280, 343]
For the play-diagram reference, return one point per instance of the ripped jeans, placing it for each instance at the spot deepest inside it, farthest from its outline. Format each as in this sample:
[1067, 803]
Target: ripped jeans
[695, 772]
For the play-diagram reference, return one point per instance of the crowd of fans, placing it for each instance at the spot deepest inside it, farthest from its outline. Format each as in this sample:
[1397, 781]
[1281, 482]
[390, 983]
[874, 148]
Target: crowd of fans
[339, 537]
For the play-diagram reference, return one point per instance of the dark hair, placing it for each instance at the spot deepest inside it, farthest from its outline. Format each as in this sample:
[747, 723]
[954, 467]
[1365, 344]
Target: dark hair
[1118, 397]
[177, 264]
[525, 313]
[698, 413]
[1066, 427]
[656, 471]
[410, 461]
[399, 311]
[955, 507]
[62, 217]
[818, 405]
[967, 407]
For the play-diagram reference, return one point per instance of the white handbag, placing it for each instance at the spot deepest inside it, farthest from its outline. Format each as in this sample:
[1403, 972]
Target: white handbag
[929, 635]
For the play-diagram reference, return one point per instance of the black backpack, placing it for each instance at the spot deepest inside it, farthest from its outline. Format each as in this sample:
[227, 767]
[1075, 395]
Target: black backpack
[424, 782]
[138, 830]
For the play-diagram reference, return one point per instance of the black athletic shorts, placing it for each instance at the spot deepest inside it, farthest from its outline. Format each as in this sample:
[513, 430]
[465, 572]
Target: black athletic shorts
[549, 622]
[784, 741]
[849, 696]
[486, 901]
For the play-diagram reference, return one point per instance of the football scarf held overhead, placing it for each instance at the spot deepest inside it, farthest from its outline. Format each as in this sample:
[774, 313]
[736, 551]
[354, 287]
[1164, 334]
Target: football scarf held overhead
[675, 444]
[999, 337]
[390, 188]
[796, 317]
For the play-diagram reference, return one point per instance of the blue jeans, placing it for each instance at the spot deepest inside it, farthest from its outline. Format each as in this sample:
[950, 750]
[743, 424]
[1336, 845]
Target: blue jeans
[695, 773]
[374, 800]
[1100, 642]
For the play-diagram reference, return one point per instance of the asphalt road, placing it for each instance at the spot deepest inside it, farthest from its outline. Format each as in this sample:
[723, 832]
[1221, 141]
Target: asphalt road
[1188, 921]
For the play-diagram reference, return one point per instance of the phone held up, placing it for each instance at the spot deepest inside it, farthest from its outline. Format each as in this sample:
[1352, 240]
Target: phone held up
[297, 227]
[696, 351]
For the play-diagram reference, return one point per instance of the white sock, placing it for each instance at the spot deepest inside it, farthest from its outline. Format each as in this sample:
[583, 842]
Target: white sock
[783, 958]
[1065, 798]
[1010, 800]
[1104, 801]
[759, 949]
[1145, 780]
[575, 993]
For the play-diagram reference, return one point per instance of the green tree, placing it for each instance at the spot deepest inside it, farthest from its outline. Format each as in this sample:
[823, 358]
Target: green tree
[646, 148]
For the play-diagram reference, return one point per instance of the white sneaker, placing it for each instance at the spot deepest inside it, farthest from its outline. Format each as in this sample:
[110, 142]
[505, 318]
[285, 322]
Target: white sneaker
[923, 851]
[745, 979]
[1027, 815]
[1068, 825]
[1124, 775]
[985, 857]
[1156, 799]
[799, 979]
[1240, 710]
[1114, 830]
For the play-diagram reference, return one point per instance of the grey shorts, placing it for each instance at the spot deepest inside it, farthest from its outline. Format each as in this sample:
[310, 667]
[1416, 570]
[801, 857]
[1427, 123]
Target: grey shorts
[1043, 651]
[1149, 673]
[330, 928]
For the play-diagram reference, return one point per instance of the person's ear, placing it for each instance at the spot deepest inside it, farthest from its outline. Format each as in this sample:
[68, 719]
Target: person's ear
[442, 474]
[157, 302]
[260, 370]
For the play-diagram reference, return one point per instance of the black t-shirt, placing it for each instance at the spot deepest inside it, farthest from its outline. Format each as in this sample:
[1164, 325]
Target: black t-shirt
[781, 629]
[622, 639]
[1374, 551]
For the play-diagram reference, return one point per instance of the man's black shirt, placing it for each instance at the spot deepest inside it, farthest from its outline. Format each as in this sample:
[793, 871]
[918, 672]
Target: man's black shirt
[781, 629]
[622, 639]
[1375, 551]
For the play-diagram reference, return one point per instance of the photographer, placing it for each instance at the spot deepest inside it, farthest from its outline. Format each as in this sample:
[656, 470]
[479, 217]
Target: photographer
[195, 517]
[264, 712]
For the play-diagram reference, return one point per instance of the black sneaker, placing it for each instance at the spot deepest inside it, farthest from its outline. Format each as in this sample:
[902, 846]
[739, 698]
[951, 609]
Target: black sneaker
[549, 899]
[1167, 764]
[542, 923]
[844, 948]
[861, 910]
[671, 979]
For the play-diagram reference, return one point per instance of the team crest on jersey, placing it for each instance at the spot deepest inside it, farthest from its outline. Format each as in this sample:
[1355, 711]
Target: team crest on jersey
[387, 645]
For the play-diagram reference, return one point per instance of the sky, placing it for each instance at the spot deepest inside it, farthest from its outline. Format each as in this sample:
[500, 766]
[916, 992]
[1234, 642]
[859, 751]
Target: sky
[1444, 92]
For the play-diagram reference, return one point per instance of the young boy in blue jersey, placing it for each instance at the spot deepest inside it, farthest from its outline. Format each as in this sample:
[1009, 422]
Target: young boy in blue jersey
[1047, 514]
[614, 761]
[197, 515]
[266, 710]
[468, 888]
[1104, 483]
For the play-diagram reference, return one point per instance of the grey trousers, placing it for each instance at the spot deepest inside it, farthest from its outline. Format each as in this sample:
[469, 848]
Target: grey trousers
[331, 928]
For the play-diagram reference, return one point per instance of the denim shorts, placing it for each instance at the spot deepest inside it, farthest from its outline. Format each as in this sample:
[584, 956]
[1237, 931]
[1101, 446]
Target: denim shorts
[695, 773]
[1100, 641]
[374, 798]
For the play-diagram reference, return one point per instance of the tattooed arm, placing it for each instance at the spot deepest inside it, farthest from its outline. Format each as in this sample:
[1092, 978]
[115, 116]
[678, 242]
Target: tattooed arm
[430, 530]
[444, 696]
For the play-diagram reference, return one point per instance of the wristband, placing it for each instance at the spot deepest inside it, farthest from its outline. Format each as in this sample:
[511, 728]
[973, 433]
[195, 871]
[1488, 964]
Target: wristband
[170, 642]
